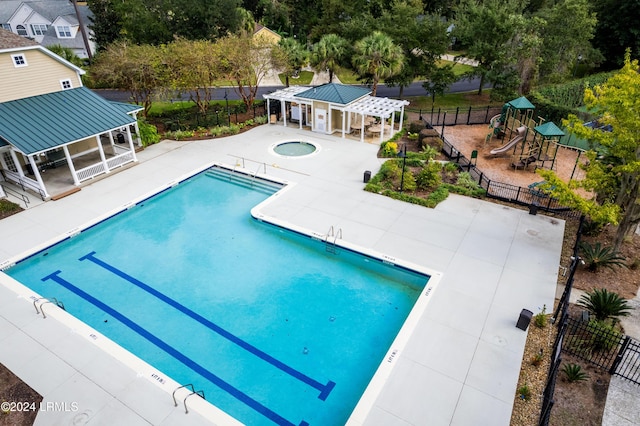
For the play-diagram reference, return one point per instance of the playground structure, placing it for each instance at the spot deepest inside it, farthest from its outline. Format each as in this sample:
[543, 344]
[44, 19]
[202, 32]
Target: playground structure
[530, 142]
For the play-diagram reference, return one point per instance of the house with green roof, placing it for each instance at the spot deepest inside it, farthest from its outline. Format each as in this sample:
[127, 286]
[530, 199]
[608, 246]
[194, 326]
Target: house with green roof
[335, 108]
[49, 120]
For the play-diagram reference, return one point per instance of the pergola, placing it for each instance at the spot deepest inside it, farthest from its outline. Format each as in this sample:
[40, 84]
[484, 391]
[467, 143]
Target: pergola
[354, 104]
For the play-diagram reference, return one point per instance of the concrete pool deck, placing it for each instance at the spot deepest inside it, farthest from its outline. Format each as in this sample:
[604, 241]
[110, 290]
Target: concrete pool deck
[462, 362]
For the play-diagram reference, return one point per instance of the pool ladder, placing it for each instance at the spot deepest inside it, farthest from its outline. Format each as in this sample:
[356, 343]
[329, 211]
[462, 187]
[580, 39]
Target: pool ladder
[43, 301]
[330, 246]
[200, 393]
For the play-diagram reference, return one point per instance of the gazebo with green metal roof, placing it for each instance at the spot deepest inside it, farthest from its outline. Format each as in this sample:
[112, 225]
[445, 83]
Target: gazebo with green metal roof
[56, 128]
[332, 107]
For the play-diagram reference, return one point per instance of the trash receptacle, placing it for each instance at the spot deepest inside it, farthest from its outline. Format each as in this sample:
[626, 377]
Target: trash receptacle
[367, 176]
[120, 138]
[533, 208]
[524, 319]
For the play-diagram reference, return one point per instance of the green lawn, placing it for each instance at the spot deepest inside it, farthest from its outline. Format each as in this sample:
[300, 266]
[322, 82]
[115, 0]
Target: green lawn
[451, 100]
[304, 78]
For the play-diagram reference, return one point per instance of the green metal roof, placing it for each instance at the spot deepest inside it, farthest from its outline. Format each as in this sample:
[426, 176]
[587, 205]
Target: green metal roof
[521, 103]
[334, 93]
[43, 122]
[549, 129]
[126, 108]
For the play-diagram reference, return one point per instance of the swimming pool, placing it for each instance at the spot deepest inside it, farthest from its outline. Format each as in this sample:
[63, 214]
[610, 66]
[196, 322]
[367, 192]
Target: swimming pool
[258, 324]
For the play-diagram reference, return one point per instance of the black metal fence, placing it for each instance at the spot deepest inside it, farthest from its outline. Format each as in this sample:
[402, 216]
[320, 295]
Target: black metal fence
[454, 116]
[531, 197]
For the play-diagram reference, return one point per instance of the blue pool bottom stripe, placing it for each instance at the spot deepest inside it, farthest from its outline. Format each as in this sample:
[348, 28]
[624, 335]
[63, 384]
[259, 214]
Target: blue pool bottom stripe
[325, 390]
[236, 393]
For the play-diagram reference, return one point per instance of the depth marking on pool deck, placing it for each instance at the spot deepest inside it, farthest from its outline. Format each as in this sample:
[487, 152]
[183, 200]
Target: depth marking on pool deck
[236, 393]
[325, 390]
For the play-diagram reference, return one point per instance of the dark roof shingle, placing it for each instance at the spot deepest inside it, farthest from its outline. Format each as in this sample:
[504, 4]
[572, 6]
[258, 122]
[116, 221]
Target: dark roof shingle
[9, 40]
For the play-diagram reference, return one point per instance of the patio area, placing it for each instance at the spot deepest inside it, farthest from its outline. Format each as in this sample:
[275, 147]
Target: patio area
[460, 364]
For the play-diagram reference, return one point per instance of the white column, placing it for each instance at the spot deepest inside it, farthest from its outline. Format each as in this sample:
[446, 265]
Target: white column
[111, 139]
[362, 128]
[268, 112]
[283, 111]
[344, 121]
[130, 139]
[74, 175]
[36, 173]
[381, 129]
[401, 117]
[137, 129]
[102, 157]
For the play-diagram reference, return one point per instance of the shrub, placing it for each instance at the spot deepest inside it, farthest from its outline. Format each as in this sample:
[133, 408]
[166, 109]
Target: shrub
[604, 304]
[574, 373]
[416, 126]
[389, 149]
[179, 135]
[540, 319]
[428, 153]
[429, 177]
[524, 392]
[261, 119]
[597, 256]
[603, 336]
[148, 133]
[537, 359]
[439, 194]
[390, 170]
[592, 228]
[435, 143]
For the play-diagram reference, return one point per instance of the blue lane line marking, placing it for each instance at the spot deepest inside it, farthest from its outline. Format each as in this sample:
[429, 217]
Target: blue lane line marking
[276, 418]
[325, 390]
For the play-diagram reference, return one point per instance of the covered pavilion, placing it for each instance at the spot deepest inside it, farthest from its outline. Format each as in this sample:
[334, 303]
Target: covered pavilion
[332, 108]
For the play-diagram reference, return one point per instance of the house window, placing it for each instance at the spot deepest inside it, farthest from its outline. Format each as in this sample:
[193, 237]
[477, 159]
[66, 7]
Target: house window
[6, 27]
[66, 84]
[19, 60]
[22, 31]
[64, 31]
[8, 160]
[38, 29]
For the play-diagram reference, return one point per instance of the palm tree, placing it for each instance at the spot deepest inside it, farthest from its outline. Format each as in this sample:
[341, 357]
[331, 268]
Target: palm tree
[329, 53]
[66, 53]
[604, 304]
[378, 56]
[295, 57]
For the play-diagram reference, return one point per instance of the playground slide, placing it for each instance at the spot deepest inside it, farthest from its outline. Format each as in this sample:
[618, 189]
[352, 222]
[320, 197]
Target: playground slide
[513, 142]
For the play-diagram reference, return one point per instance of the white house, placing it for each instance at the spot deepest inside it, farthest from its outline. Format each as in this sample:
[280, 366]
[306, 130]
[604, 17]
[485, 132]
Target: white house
[48, 22]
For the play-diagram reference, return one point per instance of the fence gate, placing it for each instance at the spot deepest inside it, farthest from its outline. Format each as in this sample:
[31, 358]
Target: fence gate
[627, 363]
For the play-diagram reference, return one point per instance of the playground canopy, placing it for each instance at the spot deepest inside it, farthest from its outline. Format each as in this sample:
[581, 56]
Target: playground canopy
[549, 130]
[521, 103]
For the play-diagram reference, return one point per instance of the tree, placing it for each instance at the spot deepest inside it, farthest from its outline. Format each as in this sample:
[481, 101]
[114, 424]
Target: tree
[377, 56]
[441, 79]
[618, 103]
[138, 69]
[192, 66]
[423, 38]
[613, 171]
[105, 22]
[565, 40]
[293, 56]
[617, 30]
[329, 53]
[487, 30]
[245, 62]
[66, 53]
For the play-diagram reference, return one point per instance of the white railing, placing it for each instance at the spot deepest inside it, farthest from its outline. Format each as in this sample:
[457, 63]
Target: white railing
[90, 172]
[24, 182]
[120, 160]
[98, 168]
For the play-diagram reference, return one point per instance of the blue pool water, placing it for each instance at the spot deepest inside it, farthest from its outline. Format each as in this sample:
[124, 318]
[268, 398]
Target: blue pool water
[273, 327]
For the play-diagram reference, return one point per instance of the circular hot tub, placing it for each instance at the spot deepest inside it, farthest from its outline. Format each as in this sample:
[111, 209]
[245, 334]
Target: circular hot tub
[294, 149]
